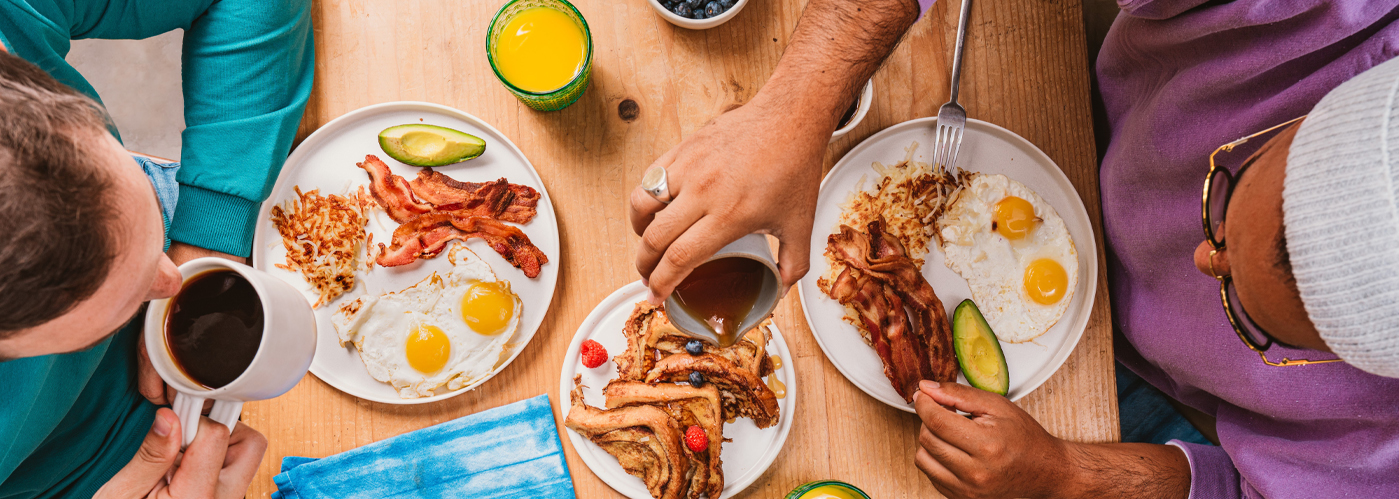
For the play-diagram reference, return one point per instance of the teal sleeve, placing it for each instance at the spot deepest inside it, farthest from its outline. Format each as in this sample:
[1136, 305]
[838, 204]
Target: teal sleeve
[248, 68]
[247, 73]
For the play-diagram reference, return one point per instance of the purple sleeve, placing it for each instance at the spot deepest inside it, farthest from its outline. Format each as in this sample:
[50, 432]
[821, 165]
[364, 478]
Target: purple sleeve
[1212, 472]
[923, 6]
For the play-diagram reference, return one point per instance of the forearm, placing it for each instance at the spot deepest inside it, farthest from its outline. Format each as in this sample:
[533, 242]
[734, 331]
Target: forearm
[1146, 471]
[837, 46]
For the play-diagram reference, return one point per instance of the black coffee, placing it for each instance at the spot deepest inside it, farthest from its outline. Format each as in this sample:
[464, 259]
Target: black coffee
[214, 327]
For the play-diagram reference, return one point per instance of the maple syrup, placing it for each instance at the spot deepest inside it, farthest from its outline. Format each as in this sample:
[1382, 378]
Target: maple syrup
[721, 293]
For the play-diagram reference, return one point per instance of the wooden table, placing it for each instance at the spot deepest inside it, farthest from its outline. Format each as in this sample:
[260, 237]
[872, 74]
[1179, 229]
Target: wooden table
[1026, 70]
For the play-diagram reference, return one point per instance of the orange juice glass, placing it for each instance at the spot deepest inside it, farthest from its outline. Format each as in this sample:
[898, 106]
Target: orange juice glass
[542, 51]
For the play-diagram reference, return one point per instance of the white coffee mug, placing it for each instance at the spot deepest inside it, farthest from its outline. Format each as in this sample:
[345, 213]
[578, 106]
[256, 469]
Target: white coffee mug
[282, 359]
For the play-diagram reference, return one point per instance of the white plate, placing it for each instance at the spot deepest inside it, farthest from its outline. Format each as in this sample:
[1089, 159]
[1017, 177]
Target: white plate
[986, 148]
[326, 160]
[745, 458]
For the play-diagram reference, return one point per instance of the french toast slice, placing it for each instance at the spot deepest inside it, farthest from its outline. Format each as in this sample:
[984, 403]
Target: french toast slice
[651, 336]
[646, 441]
[687, 405]
[743, 393]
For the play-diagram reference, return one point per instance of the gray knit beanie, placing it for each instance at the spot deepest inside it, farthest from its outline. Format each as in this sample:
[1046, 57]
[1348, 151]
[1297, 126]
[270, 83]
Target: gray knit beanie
[1342, 219]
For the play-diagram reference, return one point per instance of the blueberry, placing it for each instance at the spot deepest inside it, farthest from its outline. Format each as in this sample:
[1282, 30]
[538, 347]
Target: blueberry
[694, 4]
[682, 10]
[727, 3]
[713, 9]
[697, 14]
[695, 347]
[696, 379]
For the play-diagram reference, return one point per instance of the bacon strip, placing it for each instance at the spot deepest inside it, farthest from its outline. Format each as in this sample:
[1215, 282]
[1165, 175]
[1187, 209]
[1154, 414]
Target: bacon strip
[501, 199]
[907, 323]
[392, 191]
[427, 235]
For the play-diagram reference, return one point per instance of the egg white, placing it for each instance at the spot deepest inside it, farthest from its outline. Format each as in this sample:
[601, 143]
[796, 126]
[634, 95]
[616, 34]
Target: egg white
[994, 266]
[379, 327]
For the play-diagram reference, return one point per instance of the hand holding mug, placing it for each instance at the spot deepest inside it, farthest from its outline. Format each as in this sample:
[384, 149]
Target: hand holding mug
[216, 465]
[253, 340]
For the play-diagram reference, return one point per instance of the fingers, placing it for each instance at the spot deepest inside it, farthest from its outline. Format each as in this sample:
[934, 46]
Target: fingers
[245, 450]
[198, 473]
[148, 381]
[152, 460]
[643, 206]
[794, 253]
[944, 423]
[662, 233]
[701, 241]
[964, 398]
[642, 209]
[942, 479]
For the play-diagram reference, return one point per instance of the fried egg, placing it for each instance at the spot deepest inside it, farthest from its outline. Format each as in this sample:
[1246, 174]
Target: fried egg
[447, 330]
[1015, 253]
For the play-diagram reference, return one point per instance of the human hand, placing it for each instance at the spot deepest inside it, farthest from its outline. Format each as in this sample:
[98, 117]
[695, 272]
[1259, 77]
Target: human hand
[216, 465]
[756, 169]
[1000, 451]
[148, 382]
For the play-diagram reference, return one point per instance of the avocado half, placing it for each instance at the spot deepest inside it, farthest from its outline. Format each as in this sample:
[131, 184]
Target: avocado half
[429, 145]
[978, 351]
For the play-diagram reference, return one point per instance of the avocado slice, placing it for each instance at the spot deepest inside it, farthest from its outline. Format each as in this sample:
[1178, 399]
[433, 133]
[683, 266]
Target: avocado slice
[429, 145]
[978, 351]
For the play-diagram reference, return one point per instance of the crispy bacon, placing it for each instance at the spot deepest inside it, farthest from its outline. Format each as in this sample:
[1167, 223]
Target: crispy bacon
[427, 235]
[501, 199]
[898, 308]
[392, 191]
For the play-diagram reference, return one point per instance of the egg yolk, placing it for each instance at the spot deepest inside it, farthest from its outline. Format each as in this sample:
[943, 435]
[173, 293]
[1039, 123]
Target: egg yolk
[1046, 281]
[1014, 218]
[488, 307]
[427, 349]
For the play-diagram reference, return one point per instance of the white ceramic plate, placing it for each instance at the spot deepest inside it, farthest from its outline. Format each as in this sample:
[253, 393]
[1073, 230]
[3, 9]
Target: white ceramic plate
[986, 148]
[326, 160]
[745, 458]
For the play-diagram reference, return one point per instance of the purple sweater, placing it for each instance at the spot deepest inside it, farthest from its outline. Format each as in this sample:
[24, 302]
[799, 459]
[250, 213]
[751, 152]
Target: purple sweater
[1179, 79]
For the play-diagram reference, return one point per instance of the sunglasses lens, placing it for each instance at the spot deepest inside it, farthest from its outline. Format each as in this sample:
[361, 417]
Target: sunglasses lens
[1252, 333]
[1220, 185]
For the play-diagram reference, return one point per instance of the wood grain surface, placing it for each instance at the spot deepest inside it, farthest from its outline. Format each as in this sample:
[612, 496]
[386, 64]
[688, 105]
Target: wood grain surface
[1025, 70]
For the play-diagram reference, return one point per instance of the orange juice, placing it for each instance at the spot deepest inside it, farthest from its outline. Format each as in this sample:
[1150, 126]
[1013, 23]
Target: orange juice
[540, 50]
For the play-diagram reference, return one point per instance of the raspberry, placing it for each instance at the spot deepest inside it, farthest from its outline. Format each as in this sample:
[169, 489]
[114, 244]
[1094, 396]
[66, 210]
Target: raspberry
[695, 439]
[593, 354]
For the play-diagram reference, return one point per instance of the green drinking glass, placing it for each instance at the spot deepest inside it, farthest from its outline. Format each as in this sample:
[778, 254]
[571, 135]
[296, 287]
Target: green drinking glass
[552, 100]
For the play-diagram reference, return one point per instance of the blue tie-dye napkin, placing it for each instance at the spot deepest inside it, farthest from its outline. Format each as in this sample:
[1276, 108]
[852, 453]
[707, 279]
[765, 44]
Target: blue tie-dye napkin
[507, 452]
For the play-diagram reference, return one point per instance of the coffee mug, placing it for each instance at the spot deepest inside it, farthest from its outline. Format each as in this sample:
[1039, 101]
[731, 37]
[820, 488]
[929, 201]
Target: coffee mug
[753, 247]
[283, 356]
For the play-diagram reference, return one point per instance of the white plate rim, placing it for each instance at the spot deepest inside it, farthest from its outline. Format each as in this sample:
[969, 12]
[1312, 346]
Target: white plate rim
[1077, 209]
[260, 238]
[604, 308]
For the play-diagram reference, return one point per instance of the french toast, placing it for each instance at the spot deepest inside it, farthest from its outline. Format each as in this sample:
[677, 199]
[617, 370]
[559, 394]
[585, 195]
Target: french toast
[646, 441]
[688, 406]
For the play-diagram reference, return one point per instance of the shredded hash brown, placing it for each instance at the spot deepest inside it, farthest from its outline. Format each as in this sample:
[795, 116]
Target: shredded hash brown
[323, 236]
[911, 195]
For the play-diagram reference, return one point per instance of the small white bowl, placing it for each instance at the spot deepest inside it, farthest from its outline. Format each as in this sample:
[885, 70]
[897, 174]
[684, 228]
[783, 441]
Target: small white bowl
[697, 23]
[864, 108]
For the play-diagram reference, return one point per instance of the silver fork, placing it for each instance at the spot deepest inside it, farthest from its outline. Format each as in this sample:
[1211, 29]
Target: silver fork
[952, 118]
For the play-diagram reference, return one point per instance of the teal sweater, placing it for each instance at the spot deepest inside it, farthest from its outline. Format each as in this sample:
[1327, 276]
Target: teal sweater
[247, 67]
[69, 422]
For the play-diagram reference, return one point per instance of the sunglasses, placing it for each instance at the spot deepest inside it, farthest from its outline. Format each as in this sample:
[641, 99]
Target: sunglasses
[1219, 186]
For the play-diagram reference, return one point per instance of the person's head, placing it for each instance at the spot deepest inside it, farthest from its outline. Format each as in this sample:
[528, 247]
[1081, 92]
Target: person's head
[83, 234]
[1312, 232]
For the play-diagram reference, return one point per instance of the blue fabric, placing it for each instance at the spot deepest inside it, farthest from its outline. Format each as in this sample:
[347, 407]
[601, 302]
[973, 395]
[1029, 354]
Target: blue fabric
[162, 177]
[1147, 416]
[511, 451]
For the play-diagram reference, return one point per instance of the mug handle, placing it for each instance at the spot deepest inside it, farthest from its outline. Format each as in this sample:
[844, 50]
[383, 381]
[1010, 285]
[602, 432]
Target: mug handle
[188, 408]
